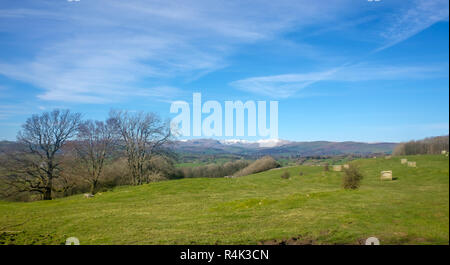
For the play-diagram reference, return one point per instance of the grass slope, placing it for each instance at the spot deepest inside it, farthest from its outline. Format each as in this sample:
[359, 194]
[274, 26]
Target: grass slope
[414, 209]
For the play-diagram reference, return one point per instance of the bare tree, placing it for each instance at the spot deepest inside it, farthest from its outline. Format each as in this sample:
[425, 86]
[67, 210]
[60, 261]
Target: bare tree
[431, 145]
[143, 135]
[95, 142]
[43, 136]
[22, 176]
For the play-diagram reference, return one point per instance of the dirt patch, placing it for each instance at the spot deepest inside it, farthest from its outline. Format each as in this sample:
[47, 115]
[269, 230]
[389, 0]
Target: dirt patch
[9, 237]
[298, 240]
[361, 241]
[24, 238]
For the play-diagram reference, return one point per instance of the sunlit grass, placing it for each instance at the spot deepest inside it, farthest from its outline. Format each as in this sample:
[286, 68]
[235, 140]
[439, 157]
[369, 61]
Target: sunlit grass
[413, 209]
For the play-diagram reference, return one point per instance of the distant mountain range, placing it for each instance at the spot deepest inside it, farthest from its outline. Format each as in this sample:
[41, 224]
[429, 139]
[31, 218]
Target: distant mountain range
[279, 147]
[273, 147]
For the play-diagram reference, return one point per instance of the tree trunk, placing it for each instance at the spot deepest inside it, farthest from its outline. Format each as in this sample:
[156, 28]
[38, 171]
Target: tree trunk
[48, 193]
[93, 187]
[49, 186]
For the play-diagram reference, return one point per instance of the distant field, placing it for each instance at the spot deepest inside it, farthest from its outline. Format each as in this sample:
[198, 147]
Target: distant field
[190, 164]
[414, 209]
[204, 163]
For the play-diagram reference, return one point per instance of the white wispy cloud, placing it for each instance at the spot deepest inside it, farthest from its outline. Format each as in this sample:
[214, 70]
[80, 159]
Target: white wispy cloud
[287, 85]
[100, 51]
[418, 17]
[396, 27]
[83, 70]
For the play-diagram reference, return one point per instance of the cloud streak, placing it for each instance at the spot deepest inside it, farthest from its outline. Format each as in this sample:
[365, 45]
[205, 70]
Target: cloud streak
[397, 27]
[287, 85]
[420, 16]
[101, 51]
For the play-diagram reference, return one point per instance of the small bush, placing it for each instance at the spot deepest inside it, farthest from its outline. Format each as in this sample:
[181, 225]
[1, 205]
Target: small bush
[352, 178]
[301, 173]
[326, 167]
[285, 175]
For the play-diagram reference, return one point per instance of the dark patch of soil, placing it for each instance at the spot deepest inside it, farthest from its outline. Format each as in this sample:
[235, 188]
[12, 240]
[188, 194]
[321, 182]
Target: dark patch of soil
[299, 240]
[24, 238]
[8, 237]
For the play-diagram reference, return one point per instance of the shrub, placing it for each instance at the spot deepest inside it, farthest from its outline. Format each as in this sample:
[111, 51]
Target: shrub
[352, 177]
[326, 167]
[259, 165]
[301, 173]
[285, 175]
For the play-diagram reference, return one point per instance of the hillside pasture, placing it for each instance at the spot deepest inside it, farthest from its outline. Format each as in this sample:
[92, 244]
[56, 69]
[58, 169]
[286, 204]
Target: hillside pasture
[255, 209]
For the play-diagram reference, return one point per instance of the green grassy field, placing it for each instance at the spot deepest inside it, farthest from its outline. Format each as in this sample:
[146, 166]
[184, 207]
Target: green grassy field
[413, 209]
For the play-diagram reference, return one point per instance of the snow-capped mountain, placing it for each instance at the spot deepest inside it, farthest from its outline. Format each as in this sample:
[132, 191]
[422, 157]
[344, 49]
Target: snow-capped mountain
[278, 147]
[259, 143]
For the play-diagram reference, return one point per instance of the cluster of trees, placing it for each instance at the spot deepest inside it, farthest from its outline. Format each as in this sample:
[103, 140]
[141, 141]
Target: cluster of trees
[236, 168]
[432, 145]
[260, 165]
[58, 154]
[57, 145]
[214, 170]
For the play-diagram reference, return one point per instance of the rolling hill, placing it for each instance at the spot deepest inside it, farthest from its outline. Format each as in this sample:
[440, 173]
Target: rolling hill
[263, 208]
[196, 148]
[280, 148]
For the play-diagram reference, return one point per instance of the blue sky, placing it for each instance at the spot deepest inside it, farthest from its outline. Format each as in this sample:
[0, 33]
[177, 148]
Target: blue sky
[341, 70]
